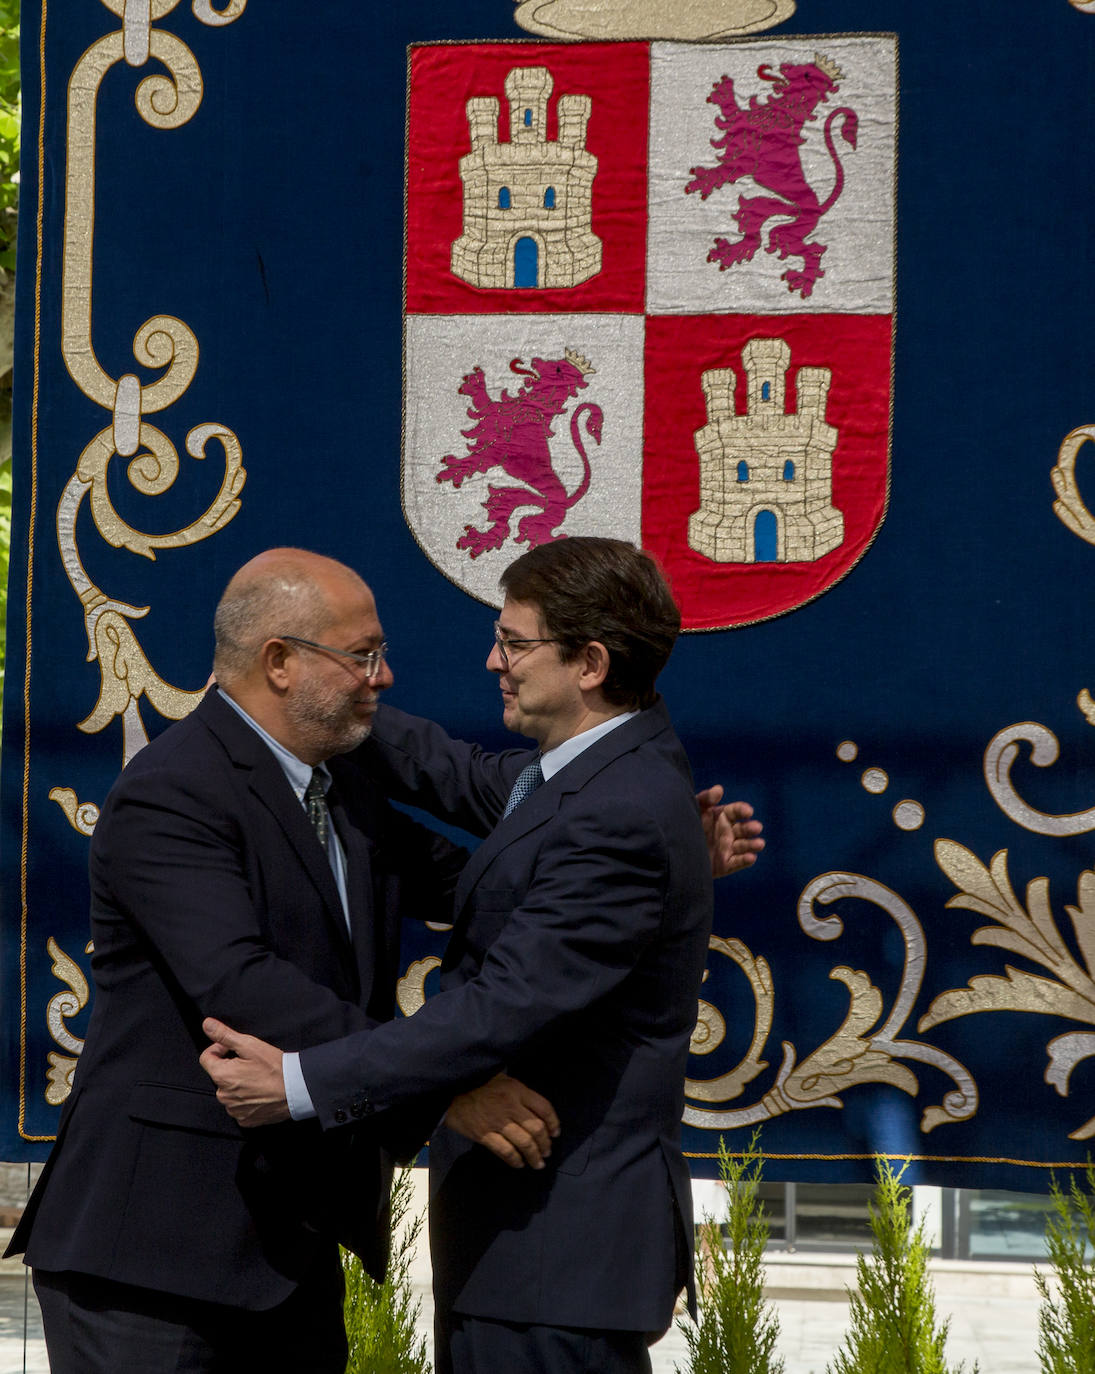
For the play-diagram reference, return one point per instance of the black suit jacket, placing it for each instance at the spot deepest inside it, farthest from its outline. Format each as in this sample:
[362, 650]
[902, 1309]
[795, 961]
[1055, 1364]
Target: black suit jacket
[575, 962]
[211, 896]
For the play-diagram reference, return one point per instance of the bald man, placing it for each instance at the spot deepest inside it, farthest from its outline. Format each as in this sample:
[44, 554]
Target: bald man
[240, 867]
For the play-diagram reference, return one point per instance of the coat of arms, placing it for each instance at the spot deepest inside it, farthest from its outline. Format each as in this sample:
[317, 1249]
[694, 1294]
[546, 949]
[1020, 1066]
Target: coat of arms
[650, 294]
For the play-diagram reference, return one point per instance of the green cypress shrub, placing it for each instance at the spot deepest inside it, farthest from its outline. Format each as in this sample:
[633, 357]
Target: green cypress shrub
[1066, 1320]
[737, 1328]
[894, 1329]
[380, 1317]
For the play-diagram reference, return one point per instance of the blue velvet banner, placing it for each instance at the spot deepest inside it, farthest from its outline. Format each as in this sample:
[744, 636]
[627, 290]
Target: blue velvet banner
[799, 295]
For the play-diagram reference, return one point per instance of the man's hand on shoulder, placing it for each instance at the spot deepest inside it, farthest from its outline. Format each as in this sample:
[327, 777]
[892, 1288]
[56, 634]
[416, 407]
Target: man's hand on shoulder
[248, 1075]
[733, 836]
[507, 1117]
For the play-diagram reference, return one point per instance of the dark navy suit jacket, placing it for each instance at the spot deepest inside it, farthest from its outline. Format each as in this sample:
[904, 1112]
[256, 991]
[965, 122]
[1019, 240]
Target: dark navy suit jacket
[581, 929]
[211, 896]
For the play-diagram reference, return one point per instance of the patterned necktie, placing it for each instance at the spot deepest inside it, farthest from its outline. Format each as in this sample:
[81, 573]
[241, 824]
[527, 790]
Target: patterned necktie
[528, 780]
[315, 803]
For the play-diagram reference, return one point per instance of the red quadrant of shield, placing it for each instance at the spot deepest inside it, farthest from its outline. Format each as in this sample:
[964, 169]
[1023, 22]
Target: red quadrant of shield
[616, 77]
[857, 351]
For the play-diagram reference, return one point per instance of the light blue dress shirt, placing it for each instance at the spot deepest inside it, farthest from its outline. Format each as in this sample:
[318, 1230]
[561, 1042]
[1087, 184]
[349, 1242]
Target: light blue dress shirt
[299, 775]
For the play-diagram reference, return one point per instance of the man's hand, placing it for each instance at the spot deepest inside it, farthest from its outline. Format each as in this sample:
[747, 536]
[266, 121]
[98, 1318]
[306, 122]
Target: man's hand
[733, 836]
[248, 1075]
[511, 1120]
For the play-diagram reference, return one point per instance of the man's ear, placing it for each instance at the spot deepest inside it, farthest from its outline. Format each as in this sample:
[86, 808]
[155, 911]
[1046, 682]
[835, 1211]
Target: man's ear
[274, 657]
[594, 660]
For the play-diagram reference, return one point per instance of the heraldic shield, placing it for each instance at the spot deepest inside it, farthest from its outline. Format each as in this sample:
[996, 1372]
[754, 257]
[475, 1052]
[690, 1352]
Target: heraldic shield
[649, 294]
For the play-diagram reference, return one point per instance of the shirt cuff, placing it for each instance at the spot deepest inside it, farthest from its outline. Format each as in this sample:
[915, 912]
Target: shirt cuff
[296, 1090]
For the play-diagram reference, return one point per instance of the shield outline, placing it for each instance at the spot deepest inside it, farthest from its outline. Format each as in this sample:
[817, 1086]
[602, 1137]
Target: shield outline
[751, 606]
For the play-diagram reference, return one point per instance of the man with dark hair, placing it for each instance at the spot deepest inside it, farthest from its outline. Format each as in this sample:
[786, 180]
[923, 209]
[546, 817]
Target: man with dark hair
[612, 589]
[581, 928]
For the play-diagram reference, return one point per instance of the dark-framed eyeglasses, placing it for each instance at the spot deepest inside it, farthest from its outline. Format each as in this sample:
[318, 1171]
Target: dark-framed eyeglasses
[526, 645]
[371, 661]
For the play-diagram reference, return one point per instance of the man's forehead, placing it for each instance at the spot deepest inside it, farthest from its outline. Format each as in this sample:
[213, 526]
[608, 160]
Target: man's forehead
[519, 615]
[351, 605]
[361, 619]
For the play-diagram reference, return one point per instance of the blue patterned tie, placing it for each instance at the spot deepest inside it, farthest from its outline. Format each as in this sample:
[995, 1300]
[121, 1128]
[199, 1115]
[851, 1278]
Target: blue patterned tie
[528, 780]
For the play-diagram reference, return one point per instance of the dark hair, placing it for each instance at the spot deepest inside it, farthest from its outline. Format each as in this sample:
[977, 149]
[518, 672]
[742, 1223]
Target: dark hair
[587, 588]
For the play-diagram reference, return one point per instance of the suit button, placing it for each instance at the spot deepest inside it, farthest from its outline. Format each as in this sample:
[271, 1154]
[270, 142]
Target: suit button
[360, 1109]
[340, 1116]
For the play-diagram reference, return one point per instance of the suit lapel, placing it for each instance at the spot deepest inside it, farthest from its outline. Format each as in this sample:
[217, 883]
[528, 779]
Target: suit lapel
[546, 800]
[536, 809]
[270, 787]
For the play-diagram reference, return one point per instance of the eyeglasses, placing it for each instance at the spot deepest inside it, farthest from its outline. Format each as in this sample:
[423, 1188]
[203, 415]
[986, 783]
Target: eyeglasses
[371, 661]
[505, 645]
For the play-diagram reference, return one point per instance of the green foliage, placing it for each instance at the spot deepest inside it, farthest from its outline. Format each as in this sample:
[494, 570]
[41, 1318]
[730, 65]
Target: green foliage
[737, 1329]
[1066, 1322]
[9, 129]
[380, 1317]
[5, 543]
[894, 1328]
[9, 202]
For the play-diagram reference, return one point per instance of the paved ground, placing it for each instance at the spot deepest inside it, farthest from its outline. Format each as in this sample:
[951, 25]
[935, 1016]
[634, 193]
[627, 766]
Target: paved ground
[19, 1314]
[1001, 1334]
[993, 1311]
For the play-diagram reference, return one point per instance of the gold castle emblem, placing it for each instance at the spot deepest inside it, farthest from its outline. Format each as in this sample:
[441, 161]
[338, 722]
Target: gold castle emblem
[766, 477]
[528, 203]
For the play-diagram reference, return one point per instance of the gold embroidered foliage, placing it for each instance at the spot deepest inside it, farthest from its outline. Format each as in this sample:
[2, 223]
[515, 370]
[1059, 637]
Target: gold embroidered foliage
[410, 990]
[127, 675]
[851, 1056]
[1016, 991]
[82, 816]
[59, 1077]
[860, 1051]
[1069, 506]
[1082, 916]
[167, 97]
[62, 1006]
[1030, 931]
[711, 1027]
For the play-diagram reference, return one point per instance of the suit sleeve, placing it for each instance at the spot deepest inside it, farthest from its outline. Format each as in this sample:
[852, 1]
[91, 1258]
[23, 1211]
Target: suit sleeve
[427, 864]
[595, 904]
[419, 763]
[192, 907]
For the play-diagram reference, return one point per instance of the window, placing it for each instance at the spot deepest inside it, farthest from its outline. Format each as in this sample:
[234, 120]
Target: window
[961, 1223]
[789, 471]
[997, 1225]
[766, 391]
[503, 198]
[743, 471]
[549, 198]
[528, 119]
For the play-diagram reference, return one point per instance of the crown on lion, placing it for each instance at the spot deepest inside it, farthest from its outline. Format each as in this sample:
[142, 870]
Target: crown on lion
[828, 66]
[584, 366]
